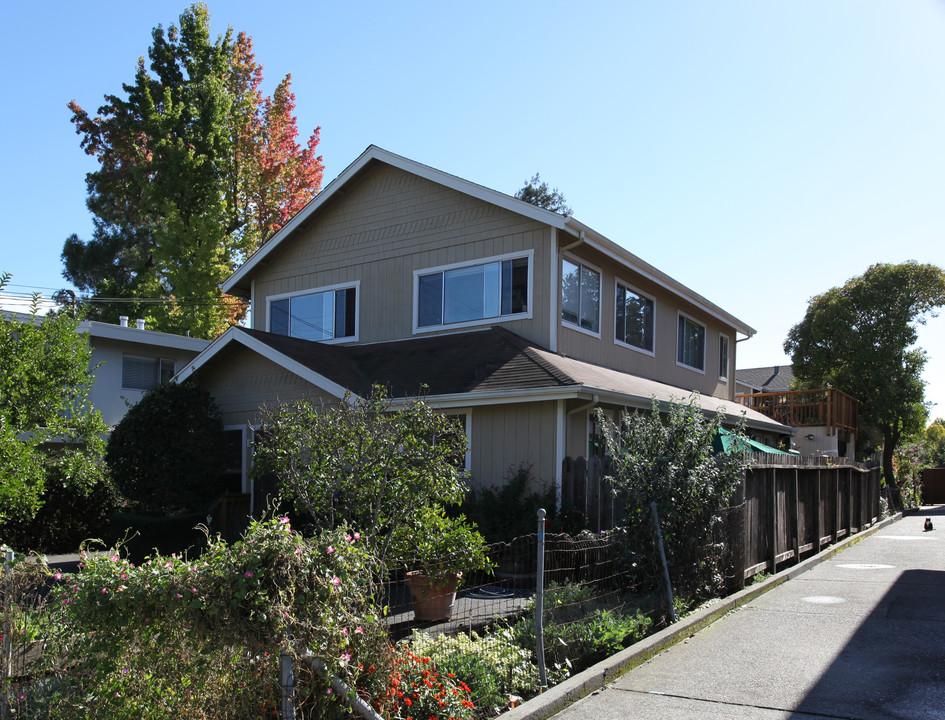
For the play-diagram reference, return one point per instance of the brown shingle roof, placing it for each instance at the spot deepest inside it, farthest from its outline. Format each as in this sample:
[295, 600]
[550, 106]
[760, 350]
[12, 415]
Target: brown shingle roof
[493, 359]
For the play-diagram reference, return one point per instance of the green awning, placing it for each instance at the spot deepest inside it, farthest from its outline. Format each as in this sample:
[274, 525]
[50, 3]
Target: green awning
[728, 442]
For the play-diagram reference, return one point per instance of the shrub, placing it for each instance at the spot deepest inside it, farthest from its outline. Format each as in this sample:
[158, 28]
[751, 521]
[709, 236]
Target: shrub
[505, 513]
[362, 462]
[420, 689]
[167, 454]
[494, 666]
[578, 632]
[182, 638]
[666, 456]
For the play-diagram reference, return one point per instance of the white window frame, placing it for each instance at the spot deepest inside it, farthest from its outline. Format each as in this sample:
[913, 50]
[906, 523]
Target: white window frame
[315, 291]
[618, 341]
[600, 302]
[527, 254]
[468, 412]
[723, 371]
[681, 316]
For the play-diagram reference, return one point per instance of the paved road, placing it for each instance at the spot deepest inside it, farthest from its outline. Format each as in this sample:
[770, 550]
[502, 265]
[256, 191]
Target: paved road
[861, 636]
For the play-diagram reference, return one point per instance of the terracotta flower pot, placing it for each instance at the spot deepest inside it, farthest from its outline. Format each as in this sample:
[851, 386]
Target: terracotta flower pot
[432, 599]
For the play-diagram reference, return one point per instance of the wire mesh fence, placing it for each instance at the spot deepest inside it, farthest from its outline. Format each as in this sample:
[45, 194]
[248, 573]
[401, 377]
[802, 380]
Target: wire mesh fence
[26, 625]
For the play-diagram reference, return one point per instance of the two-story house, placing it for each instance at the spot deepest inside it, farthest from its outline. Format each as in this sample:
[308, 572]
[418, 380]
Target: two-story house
[514, 318]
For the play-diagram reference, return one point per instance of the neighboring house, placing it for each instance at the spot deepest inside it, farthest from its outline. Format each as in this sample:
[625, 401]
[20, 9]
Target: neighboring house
[127, 361]
[516, 319]
[826, 420]
[776, 378]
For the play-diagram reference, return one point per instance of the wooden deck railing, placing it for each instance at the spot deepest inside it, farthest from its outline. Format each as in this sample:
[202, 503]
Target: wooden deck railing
[805, 408]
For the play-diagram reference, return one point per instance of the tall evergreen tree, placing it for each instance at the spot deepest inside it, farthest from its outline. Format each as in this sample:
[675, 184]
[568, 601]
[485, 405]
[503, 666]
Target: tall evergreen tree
[860, 338]
[196, 170]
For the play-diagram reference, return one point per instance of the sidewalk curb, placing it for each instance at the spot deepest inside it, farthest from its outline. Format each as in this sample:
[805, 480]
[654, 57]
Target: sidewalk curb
[593, 679]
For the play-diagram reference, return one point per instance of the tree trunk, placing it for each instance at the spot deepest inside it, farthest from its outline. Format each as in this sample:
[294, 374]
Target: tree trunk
[888, 474]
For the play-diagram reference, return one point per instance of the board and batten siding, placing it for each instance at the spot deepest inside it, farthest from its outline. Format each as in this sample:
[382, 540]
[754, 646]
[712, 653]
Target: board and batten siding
[506, 436]
[387, 224]
[661, 365]
[244, 382]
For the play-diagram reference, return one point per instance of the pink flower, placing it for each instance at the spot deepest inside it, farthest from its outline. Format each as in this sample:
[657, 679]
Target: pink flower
[344, 631]
[357, 536]
[193, 591]
[57, 576]
[330, 550]
[345, 656]
[359, 630]
[336, 581]
[104, 590]
[284, 520]
[248, 574]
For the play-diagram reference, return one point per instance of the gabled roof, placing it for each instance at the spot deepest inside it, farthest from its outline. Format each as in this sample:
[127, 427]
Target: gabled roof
[491, 366]
[775, 378]
[239, 282]
[375, 154]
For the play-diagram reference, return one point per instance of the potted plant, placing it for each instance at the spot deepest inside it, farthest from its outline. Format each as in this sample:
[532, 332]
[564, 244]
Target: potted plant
[436, 551]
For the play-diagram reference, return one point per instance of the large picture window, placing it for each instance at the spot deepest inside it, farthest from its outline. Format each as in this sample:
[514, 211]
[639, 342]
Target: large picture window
[634, 322]
[469, 293]
[690, 344]
[323, 315]
[580, 296]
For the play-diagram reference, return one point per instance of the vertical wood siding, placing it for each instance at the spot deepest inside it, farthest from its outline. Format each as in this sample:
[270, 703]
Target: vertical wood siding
[387, 224]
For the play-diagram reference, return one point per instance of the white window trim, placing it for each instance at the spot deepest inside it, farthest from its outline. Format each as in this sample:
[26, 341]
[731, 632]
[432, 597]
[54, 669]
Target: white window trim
[621, 343]
[704, 343]
[723, 375]
[313, 291]
[527, 315]
[600, 305]
[468, 412]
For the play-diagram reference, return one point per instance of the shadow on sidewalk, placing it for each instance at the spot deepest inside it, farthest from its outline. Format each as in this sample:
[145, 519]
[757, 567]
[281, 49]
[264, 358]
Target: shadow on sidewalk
[894, 665]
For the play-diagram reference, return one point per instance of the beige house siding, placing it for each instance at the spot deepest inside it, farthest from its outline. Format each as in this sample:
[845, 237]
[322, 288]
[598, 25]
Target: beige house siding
[661, 364]
[506, 436]
[107, 394]
[388, 224]
[244, 382]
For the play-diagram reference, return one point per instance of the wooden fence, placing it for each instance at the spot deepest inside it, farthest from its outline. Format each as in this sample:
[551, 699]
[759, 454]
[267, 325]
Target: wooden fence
[933, 486]
[785, 508]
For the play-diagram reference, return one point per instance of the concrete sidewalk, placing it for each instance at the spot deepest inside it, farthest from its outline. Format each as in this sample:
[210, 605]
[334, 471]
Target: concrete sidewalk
[857, 634]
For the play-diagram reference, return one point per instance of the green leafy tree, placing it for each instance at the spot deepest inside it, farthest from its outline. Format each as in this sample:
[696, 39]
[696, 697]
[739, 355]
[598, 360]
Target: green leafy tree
[935, 443]
[860, 338]
[167, 454]
[539, 193]
[196, 170]
[666, 456]
[363, 463]
[48, 427]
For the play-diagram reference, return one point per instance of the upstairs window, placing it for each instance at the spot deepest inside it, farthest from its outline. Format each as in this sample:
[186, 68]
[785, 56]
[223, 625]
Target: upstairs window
[634, 321]
[580, 296]
[723, 357]
[144, 373]
[690, 344]
[471, 293]
[324, 315]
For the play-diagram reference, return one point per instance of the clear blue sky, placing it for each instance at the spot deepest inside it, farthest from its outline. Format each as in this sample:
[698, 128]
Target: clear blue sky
[760, 153]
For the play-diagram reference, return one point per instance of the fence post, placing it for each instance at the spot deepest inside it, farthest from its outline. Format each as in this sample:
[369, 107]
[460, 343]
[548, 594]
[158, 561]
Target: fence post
[540, 601]
[287, 682]
[7, 636]
[659, 542]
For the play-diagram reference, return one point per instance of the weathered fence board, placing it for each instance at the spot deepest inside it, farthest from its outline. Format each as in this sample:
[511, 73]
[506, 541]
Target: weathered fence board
[787, 509]
[933, 486]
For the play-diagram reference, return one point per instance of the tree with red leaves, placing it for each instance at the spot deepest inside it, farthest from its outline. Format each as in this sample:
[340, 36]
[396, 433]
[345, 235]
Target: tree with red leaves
[197, 169]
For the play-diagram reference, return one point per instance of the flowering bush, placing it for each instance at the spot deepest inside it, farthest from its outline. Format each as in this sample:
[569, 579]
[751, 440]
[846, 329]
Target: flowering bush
[195, 638]
[420, 690]
[494, 665]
